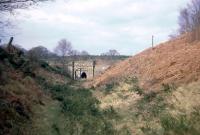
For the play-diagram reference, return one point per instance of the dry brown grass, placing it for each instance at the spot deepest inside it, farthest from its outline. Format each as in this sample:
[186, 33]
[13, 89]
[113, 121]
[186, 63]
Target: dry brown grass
[175, 61]
[185, 98]
[182, 101]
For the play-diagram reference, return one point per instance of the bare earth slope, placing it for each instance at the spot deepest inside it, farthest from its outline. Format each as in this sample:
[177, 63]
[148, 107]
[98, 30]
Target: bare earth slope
[175, 61]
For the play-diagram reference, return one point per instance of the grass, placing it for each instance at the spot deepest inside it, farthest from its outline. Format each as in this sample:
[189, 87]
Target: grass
[168, 87]
[109, 88]
[80, 110]
[181, 124]
[151, 105]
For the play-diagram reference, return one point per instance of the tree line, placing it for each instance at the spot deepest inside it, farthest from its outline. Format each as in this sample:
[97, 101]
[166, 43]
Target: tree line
[62, 50]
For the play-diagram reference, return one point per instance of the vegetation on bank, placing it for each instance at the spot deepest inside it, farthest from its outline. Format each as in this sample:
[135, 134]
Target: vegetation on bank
[154, 113]
[33, 102]
[67, 109]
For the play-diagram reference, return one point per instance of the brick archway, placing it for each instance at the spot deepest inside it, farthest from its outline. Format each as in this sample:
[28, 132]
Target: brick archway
[79, 67]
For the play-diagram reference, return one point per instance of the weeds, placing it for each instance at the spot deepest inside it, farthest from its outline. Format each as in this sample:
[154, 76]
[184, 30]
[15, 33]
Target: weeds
[148, 130]
[56, 129]
[80, 109]
[182, 124]
[132, 80]
[137, 89]
[109, 88]
[110, 113]
[151, 106]
[168, 87]
[134, 85]
[57, 70]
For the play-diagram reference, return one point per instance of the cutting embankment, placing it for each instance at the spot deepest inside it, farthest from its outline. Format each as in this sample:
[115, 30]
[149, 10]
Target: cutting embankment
[155, 92]
[175, 61]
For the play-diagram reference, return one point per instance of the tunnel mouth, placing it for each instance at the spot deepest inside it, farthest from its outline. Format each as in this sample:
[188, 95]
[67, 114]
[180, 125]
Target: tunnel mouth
[83, 75]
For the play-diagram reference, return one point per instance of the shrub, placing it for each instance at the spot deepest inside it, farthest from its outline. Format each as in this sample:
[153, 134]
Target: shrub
[168, 87]
[80, 109]
[182, 124]
[3, 76]
[132, 80]
[178, 125]
[110, 113]
[109, 87]
[138, 90]
[124, 131]
[150, 96]
[151, 105]
[56, 129]
[148, 130]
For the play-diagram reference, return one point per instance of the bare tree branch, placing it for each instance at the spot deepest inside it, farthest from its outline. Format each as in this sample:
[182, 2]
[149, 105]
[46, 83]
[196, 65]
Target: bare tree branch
[9, 5]
[189, 20]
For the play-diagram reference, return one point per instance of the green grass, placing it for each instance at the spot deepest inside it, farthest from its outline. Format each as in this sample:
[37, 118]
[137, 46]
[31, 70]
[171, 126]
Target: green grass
[168, 87]
[151, 105]
[109, 88]
[182, 124]
[79, 109]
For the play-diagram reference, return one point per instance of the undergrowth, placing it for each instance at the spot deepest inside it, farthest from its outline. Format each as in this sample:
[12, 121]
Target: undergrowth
[81, 110]
[153, 108]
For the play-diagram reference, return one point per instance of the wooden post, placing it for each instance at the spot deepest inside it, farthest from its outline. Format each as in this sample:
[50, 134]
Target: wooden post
[73, 63]
[10, 41]
[152, 41]
[75, 75]
[93, 67]
[80, 72]
[10, 45]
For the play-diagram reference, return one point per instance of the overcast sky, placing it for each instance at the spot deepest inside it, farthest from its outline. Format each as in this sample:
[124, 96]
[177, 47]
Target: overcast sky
[99, 25]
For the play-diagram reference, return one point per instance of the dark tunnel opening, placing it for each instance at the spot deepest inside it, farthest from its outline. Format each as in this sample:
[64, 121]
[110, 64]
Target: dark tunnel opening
[83, 75]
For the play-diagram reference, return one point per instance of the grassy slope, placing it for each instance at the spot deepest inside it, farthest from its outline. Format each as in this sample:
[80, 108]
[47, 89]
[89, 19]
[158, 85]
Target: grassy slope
[171, 111]
[175, 61]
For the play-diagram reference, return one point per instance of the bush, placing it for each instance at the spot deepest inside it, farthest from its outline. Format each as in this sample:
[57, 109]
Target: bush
[80, 109]
[151, 105]
[168, 87]
[57, 70]
[109, 87]
[150, 96]
[3, 54]
[110, 113]
[178, 125]
[138, 90]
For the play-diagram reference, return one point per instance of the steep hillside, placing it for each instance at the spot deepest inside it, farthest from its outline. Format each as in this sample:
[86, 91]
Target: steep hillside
[175, 61]
[20, 91]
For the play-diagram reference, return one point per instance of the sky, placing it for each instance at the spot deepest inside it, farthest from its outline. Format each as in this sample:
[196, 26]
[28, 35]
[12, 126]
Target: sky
[97, 26]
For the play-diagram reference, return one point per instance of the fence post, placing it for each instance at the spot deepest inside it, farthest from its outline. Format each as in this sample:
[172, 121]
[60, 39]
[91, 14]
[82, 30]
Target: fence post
[152, 41]
[73, 63]
[93, 67]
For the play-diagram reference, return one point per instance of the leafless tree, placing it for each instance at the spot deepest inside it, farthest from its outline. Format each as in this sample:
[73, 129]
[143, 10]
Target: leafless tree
[184, 22]
[74, 53]
[84, 53]
[7, 8]
[63, 49]
[189, 20]
[111, 52]
[9, 5]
